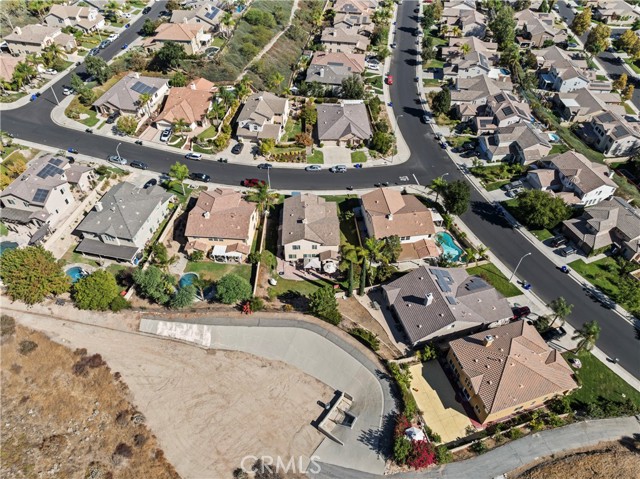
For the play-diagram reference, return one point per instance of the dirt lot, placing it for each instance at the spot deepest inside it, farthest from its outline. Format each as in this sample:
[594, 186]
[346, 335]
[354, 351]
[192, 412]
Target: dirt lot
[62, 423]
[612, 460]
[208, 409]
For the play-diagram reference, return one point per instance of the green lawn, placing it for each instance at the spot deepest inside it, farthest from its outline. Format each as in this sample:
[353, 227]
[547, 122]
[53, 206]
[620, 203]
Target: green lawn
[91, 120]
[435, 64]
[459, 140]
[542, 235]
[427, 82]
[214, 271]
[3, 230]
[317, 157]
[72, 257]
[374, 80]
[217, 42]
[492, 275]
[628, 110]
[437, 41]
[633, 65]
[177, 141]
[599, 381]
[348, 231]
[358, 157]
[208, 133]
[176, 188]
[305, 287]
[627, 190]
[291, 129]
[495, 185]
[115, 268]
[558, 148]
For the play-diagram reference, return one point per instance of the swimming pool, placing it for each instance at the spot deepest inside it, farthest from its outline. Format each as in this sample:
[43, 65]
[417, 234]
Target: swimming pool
[76, 273]
[449, 247]
[187, 279]
[5, 245]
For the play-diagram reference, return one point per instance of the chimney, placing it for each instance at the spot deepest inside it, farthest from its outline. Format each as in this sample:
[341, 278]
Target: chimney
[390, 217]
[206, 215]
[321, 72]
[488, 340]
[99, 207]
[428, 299]
[136, 75]
[17, 31]
[192, 85]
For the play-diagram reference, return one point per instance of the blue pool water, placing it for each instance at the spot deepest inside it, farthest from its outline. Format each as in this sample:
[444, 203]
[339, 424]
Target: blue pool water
[187, 279]
[553, 137]
[5, 245]
[449, 247]
[76, 273]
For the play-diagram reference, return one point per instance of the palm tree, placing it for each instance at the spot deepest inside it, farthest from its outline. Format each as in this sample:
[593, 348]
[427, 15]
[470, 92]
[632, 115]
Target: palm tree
[227, 22]
[444, 29]
[226, 96]
[456, 31]
[561, 309]
[217, 111]
[25, 71]
[243, 88]
[350, 255]
[465, 48]
[469, 255]
[181, 126]
[264, 197]
[362, 255]
[52, 53]
[438, 184]
[143, 100]
[374, 248]
[275, 80]
[587, 336]
[482, 253]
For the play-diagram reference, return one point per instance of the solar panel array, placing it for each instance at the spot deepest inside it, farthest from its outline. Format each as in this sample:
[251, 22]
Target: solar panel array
[508, 110]
[212, 14]
[41, 195]
[474, 283]
[443, 278]
[451, 300]
[143, 88]
[49, 170]
[56, 161]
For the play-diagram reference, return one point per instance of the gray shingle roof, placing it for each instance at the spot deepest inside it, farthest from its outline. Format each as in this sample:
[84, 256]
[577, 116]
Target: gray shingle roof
[312, 218]
[340, 120]
[124, 95]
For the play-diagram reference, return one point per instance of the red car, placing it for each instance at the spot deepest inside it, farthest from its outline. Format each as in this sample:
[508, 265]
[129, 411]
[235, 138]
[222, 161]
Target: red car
[389, 79]
[521, 312]
[253, 182]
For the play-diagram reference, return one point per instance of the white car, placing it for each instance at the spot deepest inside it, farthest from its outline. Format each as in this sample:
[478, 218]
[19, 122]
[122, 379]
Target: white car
[313, 168]
[113, 37]
[338, 169]
[193, 156]
[66, 91]
[51, 71]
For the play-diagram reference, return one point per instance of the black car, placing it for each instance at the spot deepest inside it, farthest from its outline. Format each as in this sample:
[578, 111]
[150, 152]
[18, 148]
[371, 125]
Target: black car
[200, 177]
[236, 150]
[113, 117]
[520, 312]
[265, 166]
[139, 164]
[553, 334]
[150, 183]
[146, 10]
[558, 241]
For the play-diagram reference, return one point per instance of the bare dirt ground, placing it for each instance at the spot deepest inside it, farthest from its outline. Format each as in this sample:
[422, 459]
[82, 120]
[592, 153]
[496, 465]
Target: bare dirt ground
[611, 460]
[208, 409]
[58, 421]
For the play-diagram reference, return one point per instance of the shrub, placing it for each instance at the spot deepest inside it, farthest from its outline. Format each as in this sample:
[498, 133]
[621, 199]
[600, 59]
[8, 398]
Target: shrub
[427, 354]
[536, 423]
[118, 304]
[401, 449]
[256, 304]
[554, 420]
[7, 325]
[443, 455]
[287, 308]
[479, 447]
[26, 347]
[123, 450]
[95, 291]
[196, 256]
[323, 304]
[366, 337]
[560, 405]
[254, 257]
[422, 455]
[515, 433]
[233, 288]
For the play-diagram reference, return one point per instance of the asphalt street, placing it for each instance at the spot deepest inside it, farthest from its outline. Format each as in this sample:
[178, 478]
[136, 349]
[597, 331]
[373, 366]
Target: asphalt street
[618, 339]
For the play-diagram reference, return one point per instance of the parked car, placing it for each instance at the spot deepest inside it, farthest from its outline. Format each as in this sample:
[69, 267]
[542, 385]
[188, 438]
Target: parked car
[104, 44]
[113, 117]
[112, 37]
[139, 164]
[166, 134]
[66, 91]
[93, 52]
[426, 119]
[118, 160]
[389, 79]
[252, 182]
[237, 149]
[558, 241]
[51, 71]
[146, 10]
[265, 166]
[193, 156]
[338, 169]
[553, 334]
[520, 312]
[568, 250]
[313, 168]
[150, 183]
[200, 177]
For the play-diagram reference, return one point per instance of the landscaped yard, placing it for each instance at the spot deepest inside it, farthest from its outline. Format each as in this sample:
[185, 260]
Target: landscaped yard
[435, 64]
[291, 129]
[305, 287]
[459, 140]
[492, 275]
[208, 133]
[542, 235]
[358, 157]
[558, 148]
[628, 110]
[177, 141]
[428, 82]
[214, 271]
[317, 157]
[348, 229]
[512, 207]
[633, 65]
[72, 257]
[598, 381]
[3, 230]
[495, 185]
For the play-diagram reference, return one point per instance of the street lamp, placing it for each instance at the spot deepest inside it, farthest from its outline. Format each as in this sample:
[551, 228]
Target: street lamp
[518, 265]
[393, 155]
[118, 151]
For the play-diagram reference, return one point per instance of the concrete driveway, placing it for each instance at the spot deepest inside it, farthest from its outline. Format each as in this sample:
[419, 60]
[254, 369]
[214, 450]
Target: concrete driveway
[436, 399]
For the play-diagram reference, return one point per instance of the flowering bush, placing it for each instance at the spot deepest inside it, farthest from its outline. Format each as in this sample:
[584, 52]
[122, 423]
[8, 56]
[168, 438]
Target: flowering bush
[402, 424]
[422, 455]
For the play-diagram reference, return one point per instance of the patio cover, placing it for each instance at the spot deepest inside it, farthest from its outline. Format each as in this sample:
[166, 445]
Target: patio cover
[313, 262]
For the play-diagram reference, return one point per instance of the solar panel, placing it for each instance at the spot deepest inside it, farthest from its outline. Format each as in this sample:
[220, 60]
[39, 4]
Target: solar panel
[443, 278]
[143, 88]
[49, 170]
[500, 98]
[474, 284]
[212, 14]
[41, 195]
[508, 110]
[56, 161]
[451, 300]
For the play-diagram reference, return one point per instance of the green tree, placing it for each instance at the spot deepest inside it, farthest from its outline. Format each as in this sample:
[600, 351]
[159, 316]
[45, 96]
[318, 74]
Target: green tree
[561, 309]
[401, 449]
[53, 53]
[168, 57]
[76, 82]
[179, 79]
[627, 93]
[362, 253]
[456, 197]
[544, 7]
[620, 83]
[183, 297]
[629, 292]
[161, 256]
[438, 184]
[381, 141]
[217, 111]
[323, 304]
[627, 41]
[587, 336]
[95, 291]
[30, 274]
[148, 28]
[154, 284]
[266, 146]
[441, 102]
[98, 68]
[350, 255]
[538, 209]
[598, 39]
[179, 172]
[392, 248]
[233, 288]
[262, 195]
[275, 80]
[309, 115]
[352, 88]
[503, 27]
[582, 22]
[226, 96]
[127, 124]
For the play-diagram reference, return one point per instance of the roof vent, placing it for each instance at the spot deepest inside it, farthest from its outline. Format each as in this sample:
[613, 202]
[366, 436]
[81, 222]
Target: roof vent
[487, 366]
[99, 207]
[390, 217]
[419, 325]
[489, 381]
[428, 299]
[421, 278]
[206, 215]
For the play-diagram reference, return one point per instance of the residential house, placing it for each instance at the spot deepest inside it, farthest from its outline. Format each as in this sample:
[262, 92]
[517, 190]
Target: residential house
[207, 15]
[186, 103]
[566, 72]
[86, 19]
[123, 221]
[8, 65]
[520, 142]
[614, 12]
[345, 41]
[610, 222]
[456, 48]
[387, 213]
[469, 94]
[588, 183]
[355, 7]
[34, 38]
[611, 134]
[534, 29]
[101, 5]
[433, 303]
[361, 24]
[192, 36]
[472, 65]
[582, 105]
[507, 370]
[41, 196]
[331, 68]
[310, 231]
[124, 96]
[468, 23]
[459, 5]
[344, 123]
[263, 116]
[222, 224]
[501, 110]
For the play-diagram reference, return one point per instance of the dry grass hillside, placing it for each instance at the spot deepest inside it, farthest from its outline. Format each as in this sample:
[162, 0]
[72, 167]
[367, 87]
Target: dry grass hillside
[65, 414]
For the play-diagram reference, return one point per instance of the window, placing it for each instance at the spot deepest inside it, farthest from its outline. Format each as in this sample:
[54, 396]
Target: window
[295, 247]
[315, 246]
[405, 238]
[11, 202]
[66, 200]
[292, 256]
